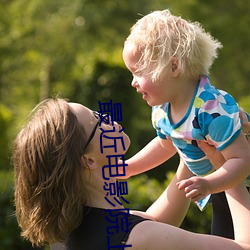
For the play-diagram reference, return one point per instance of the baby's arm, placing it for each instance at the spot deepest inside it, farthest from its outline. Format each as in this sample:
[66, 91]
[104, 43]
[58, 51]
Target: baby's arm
[152, 155]
[234, 171]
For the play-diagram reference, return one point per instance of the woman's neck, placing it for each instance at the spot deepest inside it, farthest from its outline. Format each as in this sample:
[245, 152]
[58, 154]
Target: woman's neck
[95, 188]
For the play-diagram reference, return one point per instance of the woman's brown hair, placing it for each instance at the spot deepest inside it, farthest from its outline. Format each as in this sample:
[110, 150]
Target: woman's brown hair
[49, 188]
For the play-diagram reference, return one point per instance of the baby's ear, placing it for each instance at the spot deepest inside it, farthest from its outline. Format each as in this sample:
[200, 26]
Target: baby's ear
[90, 161]
[175, 66]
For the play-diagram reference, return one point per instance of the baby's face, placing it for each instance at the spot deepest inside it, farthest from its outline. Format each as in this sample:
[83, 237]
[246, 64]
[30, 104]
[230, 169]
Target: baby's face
[154, 93]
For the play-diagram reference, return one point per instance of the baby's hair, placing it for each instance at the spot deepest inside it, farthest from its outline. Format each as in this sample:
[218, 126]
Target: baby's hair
[161, 36]
[47, 158]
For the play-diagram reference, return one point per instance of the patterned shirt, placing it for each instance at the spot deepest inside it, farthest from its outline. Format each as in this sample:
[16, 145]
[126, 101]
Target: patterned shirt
[213, 115]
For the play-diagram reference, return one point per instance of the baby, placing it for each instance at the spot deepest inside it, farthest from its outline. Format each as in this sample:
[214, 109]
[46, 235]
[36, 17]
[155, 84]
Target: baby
[170, 59]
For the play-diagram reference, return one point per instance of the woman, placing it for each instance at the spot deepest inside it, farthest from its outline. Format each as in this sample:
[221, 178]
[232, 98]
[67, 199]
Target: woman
[60, 189]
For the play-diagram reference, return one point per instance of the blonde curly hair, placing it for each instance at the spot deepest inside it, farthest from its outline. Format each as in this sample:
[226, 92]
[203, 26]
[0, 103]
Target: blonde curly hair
[49, 187]
[161, 36]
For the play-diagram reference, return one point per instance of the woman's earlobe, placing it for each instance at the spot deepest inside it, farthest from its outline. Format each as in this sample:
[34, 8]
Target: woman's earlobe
[90, 161]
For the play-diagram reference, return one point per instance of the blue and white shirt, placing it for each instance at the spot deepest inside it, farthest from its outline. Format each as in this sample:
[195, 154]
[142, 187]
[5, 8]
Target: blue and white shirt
[213, 115]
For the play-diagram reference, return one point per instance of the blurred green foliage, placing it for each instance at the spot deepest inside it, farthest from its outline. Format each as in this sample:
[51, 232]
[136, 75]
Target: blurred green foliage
[72, 48]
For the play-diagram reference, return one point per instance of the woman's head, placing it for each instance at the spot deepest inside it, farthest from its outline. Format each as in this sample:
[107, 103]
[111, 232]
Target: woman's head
[100, 134]
[161, 36]
[53, 157]
[49, 187]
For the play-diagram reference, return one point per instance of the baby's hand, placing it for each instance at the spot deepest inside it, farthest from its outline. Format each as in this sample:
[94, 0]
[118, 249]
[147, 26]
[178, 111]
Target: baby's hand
[195, 187]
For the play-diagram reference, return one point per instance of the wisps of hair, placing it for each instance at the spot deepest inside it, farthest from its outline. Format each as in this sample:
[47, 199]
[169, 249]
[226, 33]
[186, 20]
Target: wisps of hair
[49, 192]
[160, 36]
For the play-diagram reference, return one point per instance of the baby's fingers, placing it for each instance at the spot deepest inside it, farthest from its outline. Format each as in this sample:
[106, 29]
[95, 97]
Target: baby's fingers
[194, 195]
[184, 183]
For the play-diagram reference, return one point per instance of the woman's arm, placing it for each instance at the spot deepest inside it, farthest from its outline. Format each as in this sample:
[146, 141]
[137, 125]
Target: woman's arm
[233, 172]
[171, 207]
[160, 236]
[239, 203]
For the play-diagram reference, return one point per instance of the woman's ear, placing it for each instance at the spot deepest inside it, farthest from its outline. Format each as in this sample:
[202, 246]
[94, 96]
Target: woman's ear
[175, 66]
[90, 161]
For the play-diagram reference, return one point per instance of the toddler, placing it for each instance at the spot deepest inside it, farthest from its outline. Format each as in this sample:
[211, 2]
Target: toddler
[170, 59]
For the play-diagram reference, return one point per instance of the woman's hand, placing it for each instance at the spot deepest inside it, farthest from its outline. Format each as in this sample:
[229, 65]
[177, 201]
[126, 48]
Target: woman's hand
[245, 124]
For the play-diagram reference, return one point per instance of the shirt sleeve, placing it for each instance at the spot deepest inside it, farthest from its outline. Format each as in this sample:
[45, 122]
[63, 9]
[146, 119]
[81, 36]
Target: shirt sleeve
[219, 120]
[159, 121]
